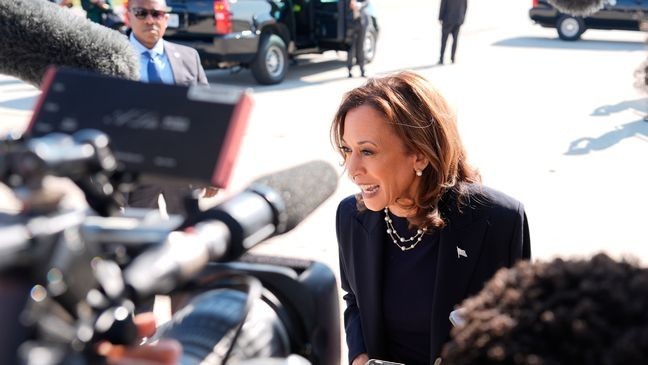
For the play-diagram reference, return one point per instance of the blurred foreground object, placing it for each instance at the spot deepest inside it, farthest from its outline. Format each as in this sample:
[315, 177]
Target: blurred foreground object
[559, 312]
[35, 34]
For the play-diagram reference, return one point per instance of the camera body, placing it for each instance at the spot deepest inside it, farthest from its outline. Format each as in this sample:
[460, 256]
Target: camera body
[296, 312]
[66, 288]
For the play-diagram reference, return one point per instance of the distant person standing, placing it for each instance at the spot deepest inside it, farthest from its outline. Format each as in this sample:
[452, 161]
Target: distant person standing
[161, 62]
[359, 25]
[95, 9]
[451, 16]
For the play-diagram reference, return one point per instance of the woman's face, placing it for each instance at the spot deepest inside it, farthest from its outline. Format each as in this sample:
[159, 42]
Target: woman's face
[378, 162]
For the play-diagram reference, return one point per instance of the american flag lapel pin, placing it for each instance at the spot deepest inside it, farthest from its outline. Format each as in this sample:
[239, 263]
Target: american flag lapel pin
[461, 252]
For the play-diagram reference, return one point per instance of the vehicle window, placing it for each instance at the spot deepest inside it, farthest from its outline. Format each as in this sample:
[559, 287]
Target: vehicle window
[329, 1]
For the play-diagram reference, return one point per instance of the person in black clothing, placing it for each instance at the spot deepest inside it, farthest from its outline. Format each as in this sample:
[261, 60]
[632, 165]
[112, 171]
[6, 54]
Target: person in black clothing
[422, 233]
[451, 16]
[359, 26]
[582, 311]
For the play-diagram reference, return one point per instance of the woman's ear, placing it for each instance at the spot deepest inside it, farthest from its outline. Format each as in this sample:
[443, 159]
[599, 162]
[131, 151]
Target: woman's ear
[421, 162]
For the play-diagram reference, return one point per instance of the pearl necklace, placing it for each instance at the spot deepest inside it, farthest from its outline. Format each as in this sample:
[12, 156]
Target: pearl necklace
[396, 238]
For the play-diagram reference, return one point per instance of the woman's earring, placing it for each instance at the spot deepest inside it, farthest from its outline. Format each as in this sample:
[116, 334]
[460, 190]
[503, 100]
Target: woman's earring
[419, 173]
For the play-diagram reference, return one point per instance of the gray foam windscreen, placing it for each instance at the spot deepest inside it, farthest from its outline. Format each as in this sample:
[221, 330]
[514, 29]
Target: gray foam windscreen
[302, 188]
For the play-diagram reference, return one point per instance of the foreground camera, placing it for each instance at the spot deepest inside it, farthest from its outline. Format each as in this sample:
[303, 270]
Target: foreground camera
[74, 278]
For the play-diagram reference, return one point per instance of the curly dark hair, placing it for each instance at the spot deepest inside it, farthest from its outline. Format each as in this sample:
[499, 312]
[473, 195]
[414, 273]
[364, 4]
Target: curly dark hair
[561, 312]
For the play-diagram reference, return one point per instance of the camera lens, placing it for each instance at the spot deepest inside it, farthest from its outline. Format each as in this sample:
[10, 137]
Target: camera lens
[206, 328]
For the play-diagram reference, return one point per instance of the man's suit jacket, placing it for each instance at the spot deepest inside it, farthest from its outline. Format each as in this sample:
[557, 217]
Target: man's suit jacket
[491, 229]
[187, 70]
[185, 64]
[453, 12]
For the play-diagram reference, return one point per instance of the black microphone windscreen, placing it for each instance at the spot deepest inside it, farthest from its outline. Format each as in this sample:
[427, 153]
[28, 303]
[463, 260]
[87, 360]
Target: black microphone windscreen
[578, 7]
[35, 34]
[302, 188]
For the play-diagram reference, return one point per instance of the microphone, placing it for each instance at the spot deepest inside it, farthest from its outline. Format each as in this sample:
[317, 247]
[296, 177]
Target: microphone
[272, 205]
[578, 7]
[35, 34]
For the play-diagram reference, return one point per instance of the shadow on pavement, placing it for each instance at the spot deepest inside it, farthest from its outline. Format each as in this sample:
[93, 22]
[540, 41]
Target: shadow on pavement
[639, 105]
[585, 145]
[10, 82]
[26, 103]
[583, 44]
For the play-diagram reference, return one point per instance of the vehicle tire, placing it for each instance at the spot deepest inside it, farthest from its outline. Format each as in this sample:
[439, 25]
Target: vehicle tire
[271, 62]
[569, 27]
[370, 41]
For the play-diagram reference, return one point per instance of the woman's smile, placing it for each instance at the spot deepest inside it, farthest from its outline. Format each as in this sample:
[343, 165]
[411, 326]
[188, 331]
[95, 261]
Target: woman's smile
[376, 159]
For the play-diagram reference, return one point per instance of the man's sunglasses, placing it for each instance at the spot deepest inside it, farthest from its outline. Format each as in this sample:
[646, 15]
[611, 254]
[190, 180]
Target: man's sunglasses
[141, 13]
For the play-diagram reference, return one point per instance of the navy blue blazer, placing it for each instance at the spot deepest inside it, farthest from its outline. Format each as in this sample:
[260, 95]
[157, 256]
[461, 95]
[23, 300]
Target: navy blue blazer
[491, 228]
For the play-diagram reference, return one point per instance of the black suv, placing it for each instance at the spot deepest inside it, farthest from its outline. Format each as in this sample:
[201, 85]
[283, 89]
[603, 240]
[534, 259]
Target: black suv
[263, 34]
[616, 14]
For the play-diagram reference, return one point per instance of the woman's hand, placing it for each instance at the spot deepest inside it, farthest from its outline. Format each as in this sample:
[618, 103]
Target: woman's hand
[164, 352]
[360, 359]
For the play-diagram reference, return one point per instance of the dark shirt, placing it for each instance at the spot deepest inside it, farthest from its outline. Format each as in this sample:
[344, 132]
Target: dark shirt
[407, 296]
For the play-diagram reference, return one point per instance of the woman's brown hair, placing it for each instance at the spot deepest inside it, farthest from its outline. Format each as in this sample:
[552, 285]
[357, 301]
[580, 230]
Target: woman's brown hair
[425, 123]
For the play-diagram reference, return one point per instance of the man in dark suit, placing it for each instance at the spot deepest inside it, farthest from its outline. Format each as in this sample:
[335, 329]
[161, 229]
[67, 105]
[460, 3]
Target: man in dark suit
[161, 62]
[451, 16]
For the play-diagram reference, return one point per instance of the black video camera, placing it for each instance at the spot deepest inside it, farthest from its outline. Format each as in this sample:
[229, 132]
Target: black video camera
[70, 278]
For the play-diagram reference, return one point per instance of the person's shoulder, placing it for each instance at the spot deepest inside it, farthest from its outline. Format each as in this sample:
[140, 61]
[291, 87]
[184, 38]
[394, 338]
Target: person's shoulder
[350, 215]
[179, 48]
[490, 200]
[348, 206]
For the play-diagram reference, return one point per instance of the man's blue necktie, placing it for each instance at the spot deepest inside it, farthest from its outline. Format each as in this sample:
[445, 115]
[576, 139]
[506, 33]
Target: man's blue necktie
[151, 69]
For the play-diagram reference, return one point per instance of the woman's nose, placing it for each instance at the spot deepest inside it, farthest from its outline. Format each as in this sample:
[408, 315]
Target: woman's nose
[353, 166]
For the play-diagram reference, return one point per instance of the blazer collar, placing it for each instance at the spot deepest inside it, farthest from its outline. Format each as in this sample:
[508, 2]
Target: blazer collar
[174, 59]
[370, 251]
[460, 246]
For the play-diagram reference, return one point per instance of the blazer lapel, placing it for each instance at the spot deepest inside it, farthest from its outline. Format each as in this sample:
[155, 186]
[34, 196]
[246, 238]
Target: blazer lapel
[174, 60]
[460, 245]
[370, 255]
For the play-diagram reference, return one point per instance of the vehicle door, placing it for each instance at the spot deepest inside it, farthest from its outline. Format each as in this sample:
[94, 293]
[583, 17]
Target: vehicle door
[620, 14]
[329, 20]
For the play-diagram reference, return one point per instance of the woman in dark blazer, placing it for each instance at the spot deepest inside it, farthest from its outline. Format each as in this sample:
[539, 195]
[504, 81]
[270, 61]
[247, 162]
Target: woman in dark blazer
[423, 233]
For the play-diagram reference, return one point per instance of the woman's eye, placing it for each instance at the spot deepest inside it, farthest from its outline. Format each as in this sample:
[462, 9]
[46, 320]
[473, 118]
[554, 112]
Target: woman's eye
[367, 152]
[345, 150]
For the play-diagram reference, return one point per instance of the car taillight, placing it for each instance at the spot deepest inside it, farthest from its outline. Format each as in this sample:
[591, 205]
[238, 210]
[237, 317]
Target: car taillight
[222, 17]
[535, 3]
